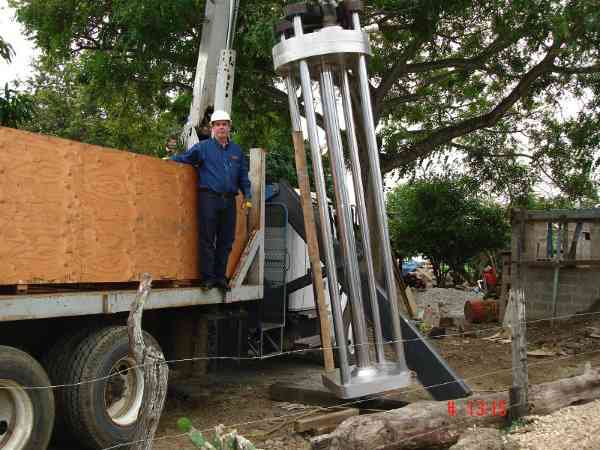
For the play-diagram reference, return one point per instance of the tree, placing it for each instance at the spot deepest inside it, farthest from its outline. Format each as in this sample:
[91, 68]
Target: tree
[15, 107]
[65, 104]
[480, 81]
[446, 221]
[481, 78]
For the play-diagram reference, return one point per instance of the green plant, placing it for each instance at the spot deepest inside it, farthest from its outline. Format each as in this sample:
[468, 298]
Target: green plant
[221, 440]
[515, 425]
[15, 107]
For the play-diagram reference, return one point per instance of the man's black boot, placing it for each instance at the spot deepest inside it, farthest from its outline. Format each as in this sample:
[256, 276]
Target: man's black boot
[208, 284]
[223, 284]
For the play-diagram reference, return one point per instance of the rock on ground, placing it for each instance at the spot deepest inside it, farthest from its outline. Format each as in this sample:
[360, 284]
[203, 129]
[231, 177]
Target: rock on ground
[484, 439]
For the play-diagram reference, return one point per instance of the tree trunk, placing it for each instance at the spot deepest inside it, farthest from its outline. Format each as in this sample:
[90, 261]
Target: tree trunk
[156, 372]
[428, 424]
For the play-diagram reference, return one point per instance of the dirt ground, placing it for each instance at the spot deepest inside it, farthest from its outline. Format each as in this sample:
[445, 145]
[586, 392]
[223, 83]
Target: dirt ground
[239, 397]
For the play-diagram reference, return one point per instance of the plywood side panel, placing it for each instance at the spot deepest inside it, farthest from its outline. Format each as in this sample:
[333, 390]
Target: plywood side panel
[187, 228]
[72, 212]
[36, 193]
[108, 215]
[158, 211]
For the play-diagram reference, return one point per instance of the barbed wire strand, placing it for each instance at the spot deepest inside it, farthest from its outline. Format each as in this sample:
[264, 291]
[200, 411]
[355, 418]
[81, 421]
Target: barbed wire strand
[361, 400]
[281, 354]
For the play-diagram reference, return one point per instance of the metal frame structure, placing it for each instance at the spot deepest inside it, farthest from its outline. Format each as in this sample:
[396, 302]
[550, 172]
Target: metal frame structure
[318, 48]
[271, 323]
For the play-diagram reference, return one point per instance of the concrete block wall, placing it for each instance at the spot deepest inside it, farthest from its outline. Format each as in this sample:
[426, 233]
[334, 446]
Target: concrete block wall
[578, 290]
[578, 285]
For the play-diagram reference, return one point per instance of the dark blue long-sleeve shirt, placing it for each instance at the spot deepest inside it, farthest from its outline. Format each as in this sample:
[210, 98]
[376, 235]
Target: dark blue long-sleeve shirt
[220, 168]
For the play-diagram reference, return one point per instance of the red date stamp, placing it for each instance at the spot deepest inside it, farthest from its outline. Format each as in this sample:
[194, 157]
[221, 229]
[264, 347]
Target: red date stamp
[477, 408]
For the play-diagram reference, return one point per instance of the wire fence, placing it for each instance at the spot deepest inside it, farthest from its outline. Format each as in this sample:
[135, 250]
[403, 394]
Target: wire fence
[291, 352]
[368, 398]
[480, 331]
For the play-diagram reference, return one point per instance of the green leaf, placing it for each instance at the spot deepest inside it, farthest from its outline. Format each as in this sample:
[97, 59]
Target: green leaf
[197, 438]
[184, 424]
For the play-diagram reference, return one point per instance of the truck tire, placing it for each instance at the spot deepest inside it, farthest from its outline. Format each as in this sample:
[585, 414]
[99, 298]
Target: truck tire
[26, 415]
[56, 362]
[102, 409]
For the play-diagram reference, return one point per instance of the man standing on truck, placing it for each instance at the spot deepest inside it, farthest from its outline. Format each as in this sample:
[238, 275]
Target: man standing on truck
[222, 172]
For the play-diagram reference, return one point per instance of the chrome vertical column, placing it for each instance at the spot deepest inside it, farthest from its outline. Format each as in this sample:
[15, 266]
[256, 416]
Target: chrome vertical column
[326, 231]
[345, 226]
[369, 124]
[361, 208]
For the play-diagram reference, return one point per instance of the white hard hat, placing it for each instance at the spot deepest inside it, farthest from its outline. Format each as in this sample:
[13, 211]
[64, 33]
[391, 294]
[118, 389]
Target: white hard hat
[219, 115]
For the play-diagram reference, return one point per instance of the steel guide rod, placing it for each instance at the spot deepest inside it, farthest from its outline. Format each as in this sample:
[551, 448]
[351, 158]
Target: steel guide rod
[362, 209]
[345, 226]
[369, 124]
[320, 186]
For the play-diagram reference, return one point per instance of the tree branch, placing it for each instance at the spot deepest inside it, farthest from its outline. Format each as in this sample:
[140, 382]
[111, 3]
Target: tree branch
[462, 63]
[576, 70]
[399, 68]
[468, 148]
[445, 135]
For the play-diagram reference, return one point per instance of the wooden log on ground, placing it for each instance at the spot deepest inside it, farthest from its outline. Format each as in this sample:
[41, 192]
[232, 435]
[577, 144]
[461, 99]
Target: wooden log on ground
[435, 424]
[156, 372]
[328, 420]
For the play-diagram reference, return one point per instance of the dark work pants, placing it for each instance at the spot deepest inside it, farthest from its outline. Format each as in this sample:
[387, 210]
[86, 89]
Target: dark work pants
[216, 223]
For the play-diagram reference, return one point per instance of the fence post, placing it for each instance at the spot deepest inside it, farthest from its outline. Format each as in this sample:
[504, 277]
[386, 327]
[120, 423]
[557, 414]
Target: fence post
[156, 373]
[518, 394]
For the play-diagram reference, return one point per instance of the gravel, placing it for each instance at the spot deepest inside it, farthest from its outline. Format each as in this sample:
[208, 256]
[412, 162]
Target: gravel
[453, 300]
[571, 428]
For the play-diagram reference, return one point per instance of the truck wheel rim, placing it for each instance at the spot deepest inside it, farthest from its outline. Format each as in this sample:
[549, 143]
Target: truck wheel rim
[124, 391]
[16, 416]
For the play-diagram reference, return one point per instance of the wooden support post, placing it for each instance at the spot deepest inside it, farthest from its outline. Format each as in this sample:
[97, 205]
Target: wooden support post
[518, 394]
[156, 372]
[256, 219]
[310, 229]
[410, 309]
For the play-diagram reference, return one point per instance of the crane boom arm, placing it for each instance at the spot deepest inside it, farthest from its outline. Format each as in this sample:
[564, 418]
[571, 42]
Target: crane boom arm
[213, 81]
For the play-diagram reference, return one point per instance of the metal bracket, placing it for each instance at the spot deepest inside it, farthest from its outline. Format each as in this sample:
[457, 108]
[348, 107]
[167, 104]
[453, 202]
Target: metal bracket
[375, 379]
[247, 258]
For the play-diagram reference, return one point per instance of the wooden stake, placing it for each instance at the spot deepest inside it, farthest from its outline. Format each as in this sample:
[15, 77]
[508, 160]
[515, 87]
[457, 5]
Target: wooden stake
[310, 229]
[256, 219]
[518, 395]
[156, 373]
